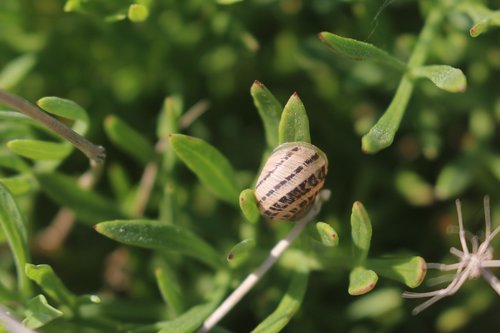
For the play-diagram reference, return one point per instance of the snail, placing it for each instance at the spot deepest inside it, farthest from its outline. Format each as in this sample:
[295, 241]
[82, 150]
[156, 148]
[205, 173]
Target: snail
[290, 181]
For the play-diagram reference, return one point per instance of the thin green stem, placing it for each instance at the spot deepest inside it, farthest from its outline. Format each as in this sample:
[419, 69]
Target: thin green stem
[382, 134]
[95, 153]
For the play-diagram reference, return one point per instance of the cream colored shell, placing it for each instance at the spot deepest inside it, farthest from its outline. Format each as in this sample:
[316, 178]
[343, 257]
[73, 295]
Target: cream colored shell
[290, 180]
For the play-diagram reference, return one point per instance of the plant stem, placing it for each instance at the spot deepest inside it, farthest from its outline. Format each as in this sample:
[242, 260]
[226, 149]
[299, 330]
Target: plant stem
[382, 134]
[252, 279]
[95, 153]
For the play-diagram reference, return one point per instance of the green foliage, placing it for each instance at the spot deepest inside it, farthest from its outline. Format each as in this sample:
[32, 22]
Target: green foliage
[129, 140]
[39, 312]
[14, 229]
[269, 110]
[288, 305]
[40, 150]
[169, 290]
[249, 206]
[89, 206]
[357, 50]
[192, 318]
[294, 124]
[50, 283]
[240, 252]
[211, 167]
[328, 235]
[361, 281]
[443, 76]
[133, 75]
[154, 235]
[361, 231]
[363, 278]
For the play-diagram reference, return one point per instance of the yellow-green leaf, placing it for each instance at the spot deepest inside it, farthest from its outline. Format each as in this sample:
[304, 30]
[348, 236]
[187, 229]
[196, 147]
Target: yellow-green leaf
[40, 150]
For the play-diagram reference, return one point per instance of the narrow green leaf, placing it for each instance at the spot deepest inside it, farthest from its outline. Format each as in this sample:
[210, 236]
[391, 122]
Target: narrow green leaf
[68, 109]
[294, 124]
[356, 50]
[88, 206]
[19, 118]
[269, 110]
[240, 252]
[14, 230]
[194, 317]
[138, 13]
[212, 168]
[160, 236]
[128, 139]
[16, 70]
[72, 5]
[119, 181]
[40, 150]
[169, 210]
[328, 235]
[443, 76]
[248, 205]
[414, 188]
[63, 108]
[361, 281]
[382, 133]
[489, 19]
[45, 277]
[288, 306]
[168, 121]
[361, 231]
[13, 162]
[410, 271]
[39, 312]
[20, 184]
[452, 180]
[118, 16]
[169, 290]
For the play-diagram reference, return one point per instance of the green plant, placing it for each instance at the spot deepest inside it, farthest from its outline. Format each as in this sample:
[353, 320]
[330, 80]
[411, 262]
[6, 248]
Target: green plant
[141, 244]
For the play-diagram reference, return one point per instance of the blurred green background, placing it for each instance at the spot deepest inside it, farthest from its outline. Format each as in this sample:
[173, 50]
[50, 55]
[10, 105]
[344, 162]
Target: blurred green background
[204, 50]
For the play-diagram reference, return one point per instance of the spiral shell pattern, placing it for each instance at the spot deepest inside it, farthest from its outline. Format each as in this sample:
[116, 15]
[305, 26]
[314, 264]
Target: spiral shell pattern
[290, 180]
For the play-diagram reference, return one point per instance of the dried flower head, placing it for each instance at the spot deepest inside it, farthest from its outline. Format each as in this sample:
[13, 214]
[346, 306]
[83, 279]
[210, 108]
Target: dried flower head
[473, 263]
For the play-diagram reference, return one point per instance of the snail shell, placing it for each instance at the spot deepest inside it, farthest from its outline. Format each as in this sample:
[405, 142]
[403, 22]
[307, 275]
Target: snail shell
[290, 180]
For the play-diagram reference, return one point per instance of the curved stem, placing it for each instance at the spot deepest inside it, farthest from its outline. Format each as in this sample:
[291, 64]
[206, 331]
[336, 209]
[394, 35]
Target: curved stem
[252, 279]
[95, 153]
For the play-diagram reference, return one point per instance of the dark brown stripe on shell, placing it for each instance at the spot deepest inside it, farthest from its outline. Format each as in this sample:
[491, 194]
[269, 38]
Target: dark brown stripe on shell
[288, 178]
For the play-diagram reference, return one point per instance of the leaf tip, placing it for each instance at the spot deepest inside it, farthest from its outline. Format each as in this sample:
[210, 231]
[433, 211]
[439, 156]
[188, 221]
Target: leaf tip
[98, 227]
[257, 83]
[475, 31]
[421, 275]
[321, 36]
